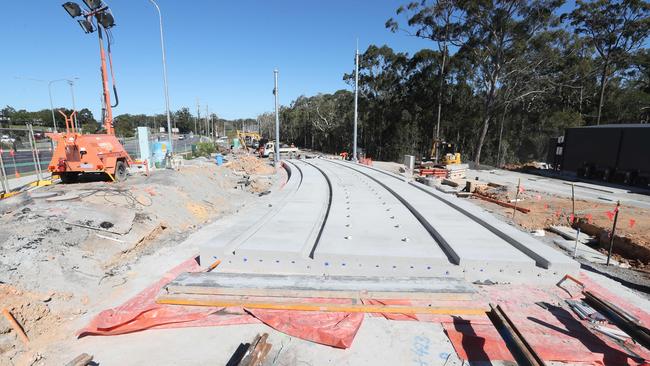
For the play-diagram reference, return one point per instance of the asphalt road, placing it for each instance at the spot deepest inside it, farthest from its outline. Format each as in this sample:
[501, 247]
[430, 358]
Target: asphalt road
[22, 160]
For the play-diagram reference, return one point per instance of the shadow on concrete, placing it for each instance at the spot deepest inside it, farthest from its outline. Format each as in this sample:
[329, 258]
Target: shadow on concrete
[473, 344]
[575, 329]
[631, 285]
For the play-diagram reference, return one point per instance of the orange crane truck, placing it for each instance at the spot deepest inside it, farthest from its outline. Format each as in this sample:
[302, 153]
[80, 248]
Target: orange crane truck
[78, 153]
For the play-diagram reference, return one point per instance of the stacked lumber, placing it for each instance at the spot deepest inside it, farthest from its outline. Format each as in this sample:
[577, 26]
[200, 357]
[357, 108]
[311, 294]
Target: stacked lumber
[457, 171]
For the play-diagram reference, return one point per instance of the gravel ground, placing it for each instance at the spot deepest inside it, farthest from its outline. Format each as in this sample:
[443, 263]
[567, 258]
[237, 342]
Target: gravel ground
[59, 258]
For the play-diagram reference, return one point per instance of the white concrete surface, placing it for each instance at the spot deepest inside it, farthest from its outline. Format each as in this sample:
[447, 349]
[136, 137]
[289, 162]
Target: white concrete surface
[560, 187]
[378, 225]
[378, 342]
[367, 225]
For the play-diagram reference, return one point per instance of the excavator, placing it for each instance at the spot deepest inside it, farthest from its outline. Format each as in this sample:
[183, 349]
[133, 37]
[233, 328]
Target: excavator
[76, 153]
[249, 139]
[445, 152]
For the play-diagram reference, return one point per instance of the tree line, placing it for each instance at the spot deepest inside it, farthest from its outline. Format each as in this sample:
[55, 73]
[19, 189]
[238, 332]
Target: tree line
[125, 124]
[501, 78]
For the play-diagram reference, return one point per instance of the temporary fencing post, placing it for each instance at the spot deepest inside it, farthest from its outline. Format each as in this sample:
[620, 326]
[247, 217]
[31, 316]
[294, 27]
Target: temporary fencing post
[514, 208]
[575, 249]
[32, 145]
[5, 182]
[611, 238]
[38, 158]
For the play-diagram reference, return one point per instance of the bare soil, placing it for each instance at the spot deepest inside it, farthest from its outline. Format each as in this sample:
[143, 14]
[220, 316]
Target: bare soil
[632, 235]
[55, 263]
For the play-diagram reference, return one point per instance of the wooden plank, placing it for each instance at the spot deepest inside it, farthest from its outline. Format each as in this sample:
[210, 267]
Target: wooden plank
[526, 350]
[214, 301]
[501, 203]
[81, 360]
[277, 292]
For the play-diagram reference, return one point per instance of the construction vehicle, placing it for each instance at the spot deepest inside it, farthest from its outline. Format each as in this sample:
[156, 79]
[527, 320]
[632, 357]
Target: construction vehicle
[78, 153]
[269, 150]
[445, 153]
[249, 139]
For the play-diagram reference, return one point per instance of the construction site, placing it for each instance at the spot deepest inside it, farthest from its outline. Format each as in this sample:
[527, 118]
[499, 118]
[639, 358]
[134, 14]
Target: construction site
[251, 244]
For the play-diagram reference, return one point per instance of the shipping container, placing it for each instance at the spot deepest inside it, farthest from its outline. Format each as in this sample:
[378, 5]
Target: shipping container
[618, 153]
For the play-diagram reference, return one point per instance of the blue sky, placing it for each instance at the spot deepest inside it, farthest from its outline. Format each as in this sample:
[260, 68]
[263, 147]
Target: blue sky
[222, 52]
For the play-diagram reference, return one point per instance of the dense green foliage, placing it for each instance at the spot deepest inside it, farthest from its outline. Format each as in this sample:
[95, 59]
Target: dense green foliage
[505, 75]
[44, 118]
[205, 149]
[499, 80]
[126, 124]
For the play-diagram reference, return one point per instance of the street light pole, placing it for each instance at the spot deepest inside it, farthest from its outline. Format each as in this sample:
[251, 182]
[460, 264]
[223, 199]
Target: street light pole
[164, 62]
[356, 96]
[49, 90]
[277, 119]
[74, 107]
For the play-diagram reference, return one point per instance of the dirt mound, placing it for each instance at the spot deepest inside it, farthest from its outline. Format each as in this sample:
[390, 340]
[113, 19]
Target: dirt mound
[33, 314]
[251, 165]
[632, 240]
[85, 246]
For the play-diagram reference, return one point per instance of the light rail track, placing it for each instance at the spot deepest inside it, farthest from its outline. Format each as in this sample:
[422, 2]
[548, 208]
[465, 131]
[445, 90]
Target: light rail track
[339, 218]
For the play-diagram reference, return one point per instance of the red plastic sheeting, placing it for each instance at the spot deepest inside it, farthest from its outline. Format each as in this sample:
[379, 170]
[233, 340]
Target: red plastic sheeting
[477, 342]
[329, 328]
[554, 333]
[142, 312]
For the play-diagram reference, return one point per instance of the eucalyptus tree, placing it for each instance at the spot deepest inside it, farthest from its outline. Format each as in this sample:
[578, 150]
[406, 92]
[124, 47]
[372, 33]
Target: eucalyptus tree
[441, 22]
[615, 29]
[498, 34]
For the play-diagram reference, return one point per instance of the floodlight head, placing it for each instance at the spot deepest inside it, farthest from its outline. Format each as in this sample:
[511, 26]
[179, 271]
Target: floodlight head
[72, 8]
[105, 19]
[93, 4]
[86, 25]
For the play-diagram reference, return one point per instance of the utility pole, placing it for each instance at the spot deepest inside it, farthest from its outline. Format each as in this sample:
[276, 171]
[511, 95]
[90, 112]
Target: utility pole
[207, 127]
[356, 97]
[277, 119]
[196, 119]
[49, 90]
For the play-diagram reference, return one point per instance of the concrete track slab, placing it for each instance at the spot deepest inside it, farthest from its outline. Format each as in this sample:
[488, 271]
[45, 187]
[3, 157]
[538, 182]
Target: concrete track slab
[544, 255]
[343, 219]
[369, 226]
[473, 244]
[415, 285]
[227, 236]
[292, 231]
